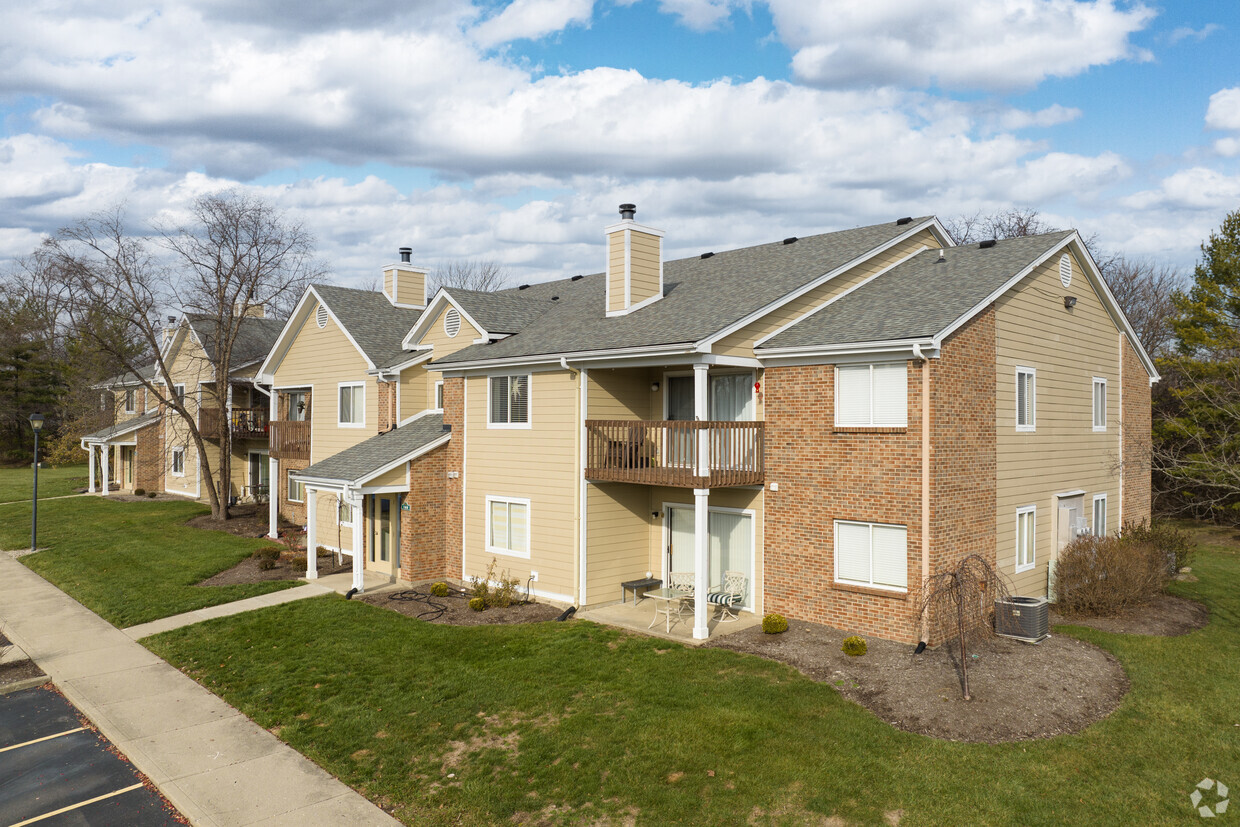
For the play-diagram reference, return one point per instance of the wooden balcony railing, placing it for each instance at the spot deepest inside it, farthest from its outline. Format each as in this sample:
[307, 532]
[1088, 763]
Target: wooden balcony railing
[246, 423]
[666, 452]
[290, 440]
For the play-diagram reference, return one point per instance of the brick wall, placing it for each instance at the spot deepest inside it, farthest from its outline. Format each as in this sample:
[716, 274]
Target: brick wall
[422, 529]
[149, 458]
[454, 460]
[1136, 435]
[290, 512]
[869, 475]
[387, 406]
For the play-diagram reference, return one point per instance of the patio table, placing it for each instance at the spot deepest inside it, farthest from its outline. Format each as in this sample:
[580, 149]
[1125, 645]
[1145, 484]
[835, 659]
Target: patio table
[663, 600]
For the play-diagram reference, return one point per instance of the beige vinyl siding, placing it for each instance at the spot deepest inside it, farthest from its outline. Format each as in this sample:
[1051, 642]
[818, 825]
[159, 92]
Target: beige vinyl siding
[189, 367]
[413, 396]
[623, 394]
[617, 538]
[323, 358]
[442, 345]
[742, 341]
[644, 255]
[396, 476]
[330, 533]
[1067, 348]
[541, 464]
[615, 271]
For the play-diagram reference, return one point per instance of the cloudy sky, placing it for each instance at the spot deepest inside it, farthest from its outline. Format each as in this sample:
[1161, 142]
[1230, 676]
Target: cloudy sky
[510, 131]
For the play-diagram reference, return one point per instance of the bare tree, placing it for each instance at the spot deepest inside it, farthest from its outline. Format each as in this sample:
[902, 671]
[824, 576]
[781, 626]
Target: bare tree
[959, 604]
[484, 276]
[1145, 290]
[1013, 222]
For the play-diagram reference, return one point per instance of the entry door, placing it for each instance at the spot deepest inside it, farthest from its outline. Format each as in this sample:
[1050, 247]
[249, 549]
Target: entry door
[680, 409]
[260, 474]
[382, 540]
[1068, 521]
[680, 540]
[730, 542]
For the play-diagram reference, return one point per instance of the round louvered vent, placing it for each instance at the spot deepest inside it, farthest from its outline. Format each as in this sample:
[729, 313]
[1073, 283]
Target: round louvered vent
[1065, 270]
[452, 322]
[321, 316]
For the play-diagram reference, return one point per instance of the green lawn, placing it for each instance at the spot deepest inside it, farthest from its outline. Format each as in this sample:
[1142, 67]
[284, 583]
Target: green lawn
[130, 562]
[570, 723]
[16, 483]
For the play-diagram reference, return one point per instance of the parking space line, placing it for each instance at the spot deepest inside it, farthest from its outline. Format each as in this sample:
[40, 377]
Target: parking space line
[44, 738]
[79, 805]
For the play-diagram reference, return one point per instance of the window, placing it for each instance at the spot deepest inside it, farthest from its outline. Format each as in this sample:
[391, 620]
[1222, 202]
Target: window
[439, 396]
[1026, 399]
[131, 401]
[296, 490]
[508, 526]
[1026, 537]
[1100, 404]
[510, 401]
[344, 512]
[1100, 515]
[352, 409]
[871, 554]
[871, 395]
[178, 462]
[179, 392]
[297, 406]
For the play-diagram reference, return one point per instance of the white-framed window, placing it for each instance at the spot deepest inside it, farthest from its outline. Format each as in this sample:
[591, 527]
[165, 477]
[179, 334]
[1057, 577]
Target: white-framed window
[509, 401]
[871, 395]
[351, 407]
[508, 526]
[1100, 515]
[871, 554]
[1026, 399]
[1026, 537]
[178, 462]
[344, 512]
[297, 406]
[296, 490]
[131, 400]
[1100, 404]
[179, 392]
[439, 395]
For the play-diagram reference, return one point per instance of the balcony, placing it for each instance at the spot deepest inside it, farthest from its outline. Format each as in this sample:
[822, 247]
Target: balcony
[290, 440]
[666, 452]
[245, 423]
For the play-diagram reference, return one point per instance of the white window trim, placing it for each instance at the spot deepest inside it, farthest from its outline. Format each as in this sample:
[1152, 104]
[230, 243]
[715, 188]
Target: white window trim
[871, 423]
[438, 390]
[529, 405]
[1032, 426]
[1093, 515]
[343, 503]
[341, 385]
[288, 486]
[871, 585]
[172, 468]
[1093, 404]
[1027, 509]
[178, 392]
[529, 526]
[131, 401]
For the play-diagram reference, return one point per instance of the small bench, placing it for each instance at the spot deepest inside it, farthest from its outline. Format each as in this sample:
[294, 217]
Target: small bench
[644, 584]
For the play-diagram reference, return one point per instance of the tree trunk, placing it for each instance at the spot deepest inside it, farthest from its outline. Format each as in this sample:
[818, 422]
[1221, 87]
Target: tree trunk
[964, 653]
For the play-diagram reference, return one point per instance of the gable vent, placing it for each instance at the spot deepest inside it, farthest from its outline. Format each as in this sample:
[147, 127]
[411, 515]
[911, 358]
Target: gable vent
[452, 322]
[321, 317]
[1065, 270]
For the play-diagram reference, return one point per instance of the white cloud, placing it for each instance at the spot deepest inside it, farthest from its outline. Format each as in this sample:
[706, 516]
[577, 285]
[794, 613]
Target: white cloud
[1187, 33]
[971, 44]
[702, 14]
[1196, 188]
[532, 19]
[1224, 110]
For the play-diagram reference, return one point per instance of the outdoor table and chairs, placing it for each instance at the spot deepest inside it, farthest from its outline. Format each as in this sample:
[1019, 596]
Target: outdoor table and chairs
[667, 601]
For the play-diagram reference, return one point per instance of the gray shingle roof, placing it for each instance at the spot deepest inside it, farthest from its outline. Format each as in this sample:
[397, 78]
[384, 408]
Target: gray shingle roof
[500, 312]
[123, 379]
[113, 431]
[374, 323]
[356, 463]
[254, 337]
[701, 297]
[918, 298]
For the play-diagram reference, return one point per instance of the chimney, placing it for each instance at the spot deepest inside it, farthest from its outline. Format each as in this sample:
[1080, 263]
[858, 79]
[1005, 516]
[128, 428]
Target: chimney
[255, 311]
[634, 264]
[404, 285]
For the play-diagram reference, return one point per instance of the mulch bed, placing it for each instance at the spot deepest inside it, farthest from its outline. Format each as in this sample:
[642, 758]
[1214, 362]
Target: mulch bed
[1164, 616]
[417, 601]
[244, 521]
[18, 670]
[247, 571]
[1019, 691]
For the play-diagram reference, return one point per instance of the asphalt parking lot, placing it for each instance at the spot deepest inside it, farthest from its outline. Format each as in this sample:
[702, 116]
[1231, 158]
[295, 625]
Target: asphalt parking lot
[57, 770]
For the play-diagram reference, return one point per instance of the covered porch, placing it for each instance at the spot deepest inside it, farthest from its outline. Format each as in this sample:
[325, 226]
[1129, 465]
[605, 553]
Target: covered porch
[640, 617]
[112, 454]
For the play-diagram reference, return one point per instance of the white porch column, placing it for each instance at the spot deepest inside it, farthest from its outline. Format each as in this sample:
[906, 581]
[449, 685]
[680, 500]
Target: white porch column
[312, 536]
[90, 453]
[359, 559]
[701, 413]
[701, 562]
[274, 484]
[106, 450]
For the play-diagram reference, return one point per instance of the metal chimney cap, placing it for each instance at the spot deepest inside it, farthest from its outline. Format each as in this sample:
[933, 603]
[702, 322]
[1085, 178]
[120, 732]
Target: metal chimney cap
[627, 211]
[406, 254]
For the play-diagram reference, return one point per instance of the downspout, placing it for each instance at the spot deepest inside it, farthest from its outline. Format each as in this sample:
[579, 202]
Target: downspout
[925, 483]
[580, 375]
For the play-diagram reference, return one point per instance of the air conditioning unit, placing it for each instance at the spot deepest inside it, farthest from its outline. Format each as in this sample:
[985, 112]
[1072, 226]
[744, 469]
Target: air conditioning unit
[1022, 618]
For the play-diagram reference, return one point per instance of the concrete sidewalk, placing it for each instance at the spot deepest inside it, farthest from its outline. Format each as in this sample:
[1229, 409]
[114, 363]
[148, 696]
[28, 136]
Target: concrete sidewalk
[224, 610]
[214, 764]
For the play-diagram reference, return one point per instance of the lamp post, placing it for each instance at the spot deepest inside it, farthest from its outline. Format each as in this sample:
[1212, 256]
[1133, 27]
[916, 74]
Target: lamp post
[36, 424]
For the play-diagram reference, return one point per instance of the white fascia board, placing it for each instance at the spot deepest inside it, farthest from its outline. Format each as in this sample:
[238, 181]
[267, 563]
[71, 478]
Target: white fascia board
[343, 329]
[852, 351]
[295, 320]
[415, 417]
[630, 224]
[932, 223]
[417, 359]
[611, 314]
[554, 358]
[383, 469]
[443, 297]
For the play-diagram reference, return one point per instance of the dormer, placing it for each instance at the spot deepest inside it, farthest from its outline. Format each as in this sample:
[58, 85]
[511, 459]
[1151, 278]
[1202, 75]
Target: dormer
[634, 264]
[403, 284]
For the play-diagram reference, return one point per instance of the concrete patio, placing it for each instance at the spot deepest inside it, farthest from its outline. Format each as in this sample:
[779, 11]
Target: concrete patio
[637, 618]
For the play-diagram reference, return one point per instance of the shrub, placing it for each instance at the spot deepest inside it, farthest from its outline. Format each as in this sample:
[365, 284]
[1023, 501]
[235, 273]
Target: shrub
[139, 492]
[323, 551]
[150, 494]
[1177, 546]
[1098, 576]
[440, 589]
[854, 646]
[266, 565]
[500, 596]
[773, 624]
[269, 553]
[477, 604]
[298, 561]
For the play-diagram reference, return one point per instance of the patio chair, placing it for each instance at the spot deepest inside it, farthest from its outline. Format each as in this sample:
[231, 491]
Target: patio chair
[683, 581]
[729, 596]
